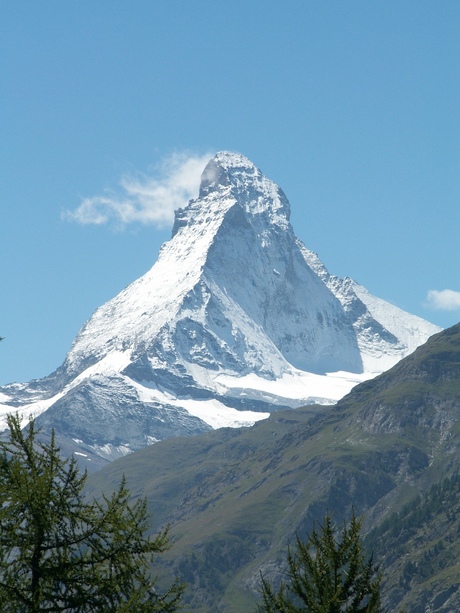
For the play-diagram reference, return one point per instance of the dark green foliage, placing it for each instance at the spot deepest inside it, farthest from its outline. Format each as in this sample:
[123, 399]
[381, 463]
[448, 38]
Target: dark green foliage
[420, 546]
[441, 501]
[327, 574]
[60, 552]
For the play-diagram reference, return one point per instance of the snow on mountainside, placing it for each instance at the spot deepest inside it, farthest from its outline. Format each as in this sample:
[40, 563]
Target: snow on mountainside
[235, 319]
[384, 332]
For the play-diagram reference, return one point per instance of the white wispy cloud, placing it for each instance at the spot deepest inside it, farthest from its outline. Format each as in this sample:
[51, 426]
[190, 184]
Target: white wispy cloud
[145, 198]
[444, 300]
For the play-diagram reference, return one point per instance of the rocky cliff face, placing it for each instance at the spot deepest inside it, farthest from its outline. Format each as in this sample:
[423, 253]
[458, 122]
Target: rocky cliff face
[235, 319]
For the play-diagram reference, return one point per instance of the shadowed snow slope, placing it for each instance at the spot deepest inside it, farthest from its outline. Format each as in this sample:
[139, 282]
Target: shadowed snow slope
[235, 319]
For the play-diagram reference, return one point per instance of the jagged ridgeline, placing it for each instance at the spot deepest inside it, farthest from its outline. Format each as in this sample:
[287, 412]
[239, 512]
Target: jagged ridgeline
[390, 449]
[236, 319]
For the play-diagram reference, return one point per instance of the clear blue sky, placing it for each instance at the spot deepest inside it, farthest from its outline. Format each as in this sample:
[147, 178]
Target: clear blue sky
[351, 107]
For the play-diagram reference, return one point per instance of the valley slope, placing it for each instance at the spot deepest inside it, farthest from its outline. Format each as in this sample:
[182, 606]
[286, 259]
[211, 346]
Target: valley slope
[390, 449]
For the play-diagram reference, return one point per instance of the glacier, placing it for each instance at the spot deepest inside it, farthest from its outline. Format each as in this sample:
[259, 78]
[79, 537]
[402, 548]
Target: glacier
[236, 319]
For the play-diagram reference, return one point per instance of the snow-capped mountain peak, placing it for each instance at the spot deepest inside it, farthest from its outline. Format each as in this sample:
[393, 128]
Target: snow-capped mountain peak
[233, 193]
[235, 319]
[231, 179]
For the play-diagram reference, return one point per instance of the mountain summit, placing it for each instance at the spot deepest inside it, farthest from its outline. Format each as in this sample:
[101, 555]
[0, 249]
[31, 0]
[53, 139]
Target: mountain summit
[235, 319]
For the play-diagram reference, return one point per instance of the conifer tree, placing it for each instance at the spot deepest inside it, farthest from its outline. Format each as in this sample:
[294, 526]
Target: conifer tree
[327, 574]
[61, 552]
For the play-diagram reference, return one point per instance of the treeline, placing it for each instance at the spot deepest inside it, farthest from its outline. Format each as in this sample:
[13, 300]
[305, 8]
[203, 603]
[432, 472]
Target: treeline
[441, 498]
[422, 539]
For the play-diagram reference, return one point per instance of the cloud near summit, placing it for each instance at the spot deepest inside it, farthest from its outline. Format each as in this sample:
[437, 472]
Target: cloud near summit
[444, 300]
[149, 199]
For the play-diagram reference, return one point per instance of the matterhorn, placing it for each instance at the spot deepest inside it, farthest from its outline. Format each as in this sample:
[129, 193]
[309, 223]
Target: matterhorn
[236, 319]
